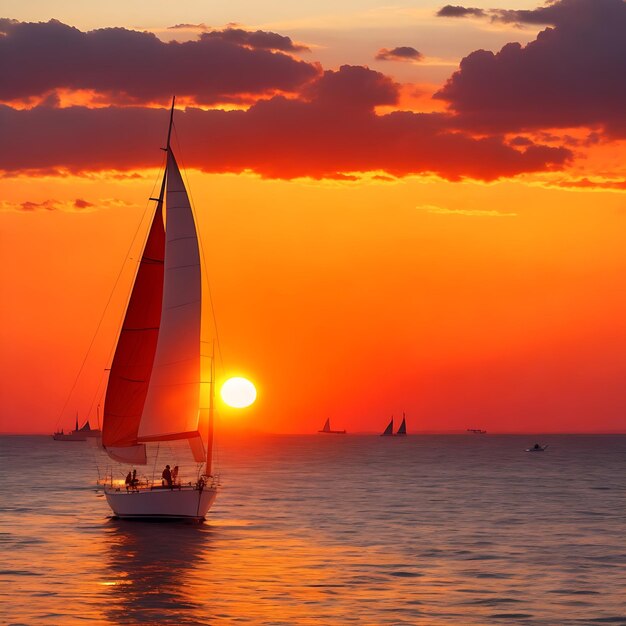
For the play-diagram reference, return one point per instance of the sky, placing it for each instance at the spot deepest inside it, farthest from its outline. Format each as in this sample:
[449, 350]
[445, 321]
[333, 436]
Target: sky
[414, 208]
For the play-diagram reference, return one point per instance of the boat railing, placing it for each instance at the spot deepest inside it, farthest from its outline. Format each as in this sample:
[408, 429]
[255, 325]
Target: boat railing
[111, 484]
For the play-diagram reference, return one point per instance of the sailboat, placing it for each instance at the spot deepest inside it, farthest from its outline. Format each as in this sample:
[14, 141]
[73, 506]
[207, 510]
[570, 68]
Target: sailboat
[74, 435]
[402, 430]
[153, 392]
[88, 431]
[328, 430]
[389, 430]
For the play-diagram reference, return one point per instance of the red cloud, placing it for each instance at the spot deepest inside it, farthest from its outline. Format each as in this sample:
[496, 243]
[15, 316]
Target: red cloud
[571, 75]
[126, 65]
[329, 135]
[328, 126]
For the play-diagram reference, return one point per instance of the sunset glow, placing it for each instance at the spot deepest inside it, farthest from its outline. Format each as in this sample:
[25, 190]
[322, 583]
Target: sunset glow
[413, 208]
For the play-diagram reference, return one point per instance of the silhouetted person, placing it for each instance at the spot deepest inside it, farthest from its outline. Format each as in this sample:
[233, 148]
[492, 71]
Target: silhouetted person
[175, 474]
[166, 476]
[129, 480]
[134, 480]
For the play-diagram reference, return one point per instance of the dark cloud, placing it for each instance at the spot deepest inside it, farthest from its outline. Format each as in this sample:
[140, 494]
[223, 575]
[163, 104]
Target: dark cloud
[131, 66]
[568, 13]
[401, 53]
[330, 135]
[572, 75]
[555, 12]
[458, 11]
[353, 87]
[82, 204]
[256, 39]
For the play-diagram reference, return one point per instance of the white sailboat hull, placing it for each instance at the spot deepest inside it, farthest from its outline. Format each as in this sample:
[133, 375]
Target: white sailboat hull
[178, 503]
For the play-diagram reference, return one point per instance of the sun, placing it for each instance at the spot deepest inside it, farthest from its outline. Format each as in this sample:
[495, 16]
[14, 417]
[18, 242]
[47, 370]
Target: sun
[238, 392]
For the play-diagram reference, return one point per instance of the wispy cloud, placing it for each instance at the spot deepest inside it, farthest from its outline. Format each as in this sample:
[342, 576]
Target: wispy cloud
[78, 205]
[438, 210]
[201, 27]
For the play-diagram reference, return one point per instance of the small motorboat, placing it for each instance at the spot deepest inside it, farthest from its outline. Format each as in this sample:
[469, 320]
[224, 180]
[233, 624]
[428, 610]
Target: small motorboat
[537, 448]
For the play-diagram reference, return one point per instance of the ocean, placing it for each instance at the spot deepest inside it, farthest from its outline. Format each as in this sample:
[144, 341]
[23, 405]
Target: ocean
[327, 529]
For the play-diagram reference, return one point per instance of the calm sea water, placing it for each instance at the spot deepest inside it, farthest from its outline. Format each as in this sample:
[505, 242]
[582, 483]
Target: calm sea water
[328, 530]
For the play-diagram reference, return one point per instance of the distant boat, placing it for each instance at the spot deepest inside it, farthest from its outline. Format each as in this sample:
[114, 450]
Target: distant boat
[87, 431]
[389, 430]
[402, 430]
[74, 435]
[476, 431]
[327, 429]
[537, 448]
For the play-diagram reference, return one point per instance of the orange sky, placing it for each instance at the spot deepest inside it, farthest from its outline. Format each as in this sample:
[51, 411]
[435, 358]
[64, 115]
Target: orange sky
[355, 295]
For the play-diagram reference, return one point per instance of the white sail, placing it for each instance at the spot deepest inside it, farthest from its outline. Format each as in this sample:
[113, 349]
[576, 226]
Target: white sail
[171, 407]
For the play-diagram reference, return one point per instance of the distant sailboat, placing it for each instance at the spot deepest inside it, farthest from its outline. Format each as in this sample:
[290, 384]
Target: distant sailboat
[86, 430]
[402, 430]
[78, 434]
[74, 435]
[389, 430]
[329, 431]
[153, 393]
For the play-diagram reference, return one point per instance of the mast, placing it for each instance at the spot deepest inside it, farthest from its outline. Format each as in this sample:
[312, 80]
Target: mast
[169, 130]
[209, 445]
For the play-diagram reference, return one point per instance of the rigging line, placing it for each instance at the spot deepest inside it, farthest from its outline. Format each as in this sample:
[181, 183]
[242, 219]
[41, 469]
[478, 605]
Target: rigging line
[216, 447]
[106, 306]
[204, 263]
[95, 395]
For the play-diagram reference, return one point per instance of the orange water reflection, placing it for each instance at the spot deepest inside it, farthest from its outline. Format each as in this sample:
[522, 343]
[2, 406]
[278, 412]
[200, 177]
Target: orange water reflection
[429, 531]
[238, 572]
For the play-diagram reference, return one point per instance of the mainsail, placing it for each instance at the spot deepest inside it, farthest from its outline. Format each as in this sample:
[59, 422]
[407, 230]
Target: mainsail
[136, 346]
[154, 386]
[326, 427]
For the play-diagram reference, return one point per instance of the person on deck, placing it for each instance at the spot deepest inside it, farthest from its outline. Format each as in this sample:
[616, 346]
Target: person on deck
[167, 477]
[129, 481]
[134, 480]
[175, 474]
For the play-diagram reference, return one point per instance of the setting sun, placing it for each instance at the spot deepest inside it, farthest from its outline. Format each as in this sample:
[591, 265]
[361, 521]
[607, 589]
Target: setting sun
[238, 393]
